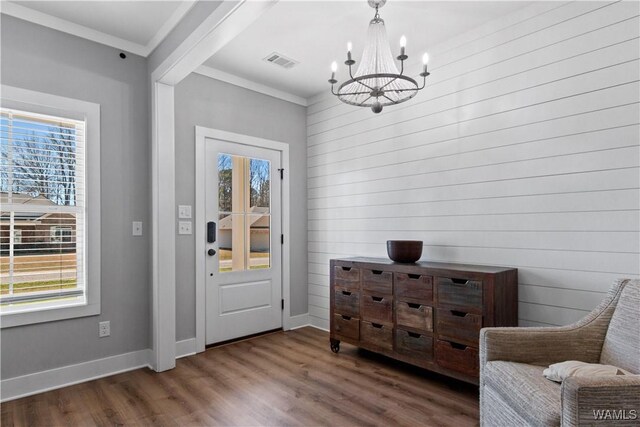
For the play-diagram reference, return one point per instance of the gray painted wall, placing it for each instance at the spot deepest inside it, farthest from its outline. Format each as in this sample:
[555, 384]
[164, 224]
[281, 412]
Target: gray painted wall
[206, 102]
[38, 58]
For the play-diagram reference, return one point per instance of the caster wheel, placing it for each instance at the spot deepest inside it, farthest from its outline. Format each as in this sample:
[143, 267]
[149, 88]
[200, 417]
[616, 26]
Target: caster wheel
[335, 346]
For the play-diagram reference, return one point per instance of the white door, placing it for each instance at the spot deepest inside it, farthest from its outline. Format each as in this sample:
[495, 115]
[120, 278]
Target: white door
[243, 232]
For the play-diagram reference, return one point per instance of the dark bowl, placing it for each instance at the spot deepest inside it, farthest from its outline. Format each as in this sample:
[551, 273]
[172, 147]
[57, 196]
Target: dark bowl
[404, 251]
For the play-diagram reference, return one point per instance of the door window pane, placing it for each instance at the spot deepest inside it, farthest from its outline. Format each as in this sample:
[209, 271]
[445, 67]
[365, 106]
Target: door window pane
[231, 238]
[260, 181]
[259, 241]
[244, 227]
[225, 170]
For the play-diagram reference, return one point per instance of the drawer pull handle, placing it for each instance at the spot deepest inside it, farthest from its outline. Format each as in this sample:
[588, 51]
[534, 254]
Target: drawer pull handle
[460, 281]
[377, 325]
[458, 313]
[414, 276]
[377, 299]
[458, 346]
[346, 317]
[414, 335]
[377, 272]
[414, 305]
[346, 268]
[347, 293]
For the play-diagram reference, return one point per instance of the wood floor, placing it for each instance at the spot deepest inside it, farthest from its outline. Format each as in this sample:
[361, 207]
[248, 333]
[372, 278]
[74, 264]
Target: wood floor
[284, 378]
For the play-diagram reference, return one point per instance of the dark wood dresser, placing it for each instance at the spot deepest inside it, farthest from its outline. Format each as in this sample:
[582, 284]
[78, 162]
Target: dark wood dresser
[427, 314]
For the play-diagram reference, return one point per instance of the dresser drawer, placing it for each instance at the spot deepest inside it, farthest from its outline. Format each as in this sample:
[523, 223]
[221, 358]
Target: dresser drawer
[376, 335]
[377, 281]
[415, 286]
[457, 357]
[346, 326]
[414, 315]
[459, 326]
[346, 277]
[460, 293]
[414, 344]
[377, 307]
[346, 302]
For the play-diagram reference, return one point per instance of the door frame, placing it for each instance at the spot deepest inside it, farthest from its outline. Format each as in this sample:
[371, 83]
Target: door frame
[202, 133]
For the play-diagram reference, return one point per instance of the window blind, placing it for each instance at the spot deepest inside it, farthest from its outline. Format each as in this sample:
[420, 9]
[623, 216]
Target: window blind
[42, 210]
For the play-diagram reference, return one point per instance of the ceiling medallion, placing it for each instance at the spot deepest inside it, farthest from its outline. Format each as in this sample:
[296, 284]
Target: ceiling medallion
[377, 82]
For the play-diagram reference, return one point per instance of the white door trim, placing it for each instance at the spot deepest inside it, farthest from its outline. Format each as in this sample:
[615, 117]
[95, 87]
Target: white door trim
[227, 21]
[202, 133]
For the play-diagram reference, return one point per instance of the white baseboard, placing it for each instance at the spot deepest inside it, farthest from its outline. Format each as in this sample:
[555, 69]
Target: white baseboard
[38, 382]
[185, 348]
[298, 321]
[318, 323]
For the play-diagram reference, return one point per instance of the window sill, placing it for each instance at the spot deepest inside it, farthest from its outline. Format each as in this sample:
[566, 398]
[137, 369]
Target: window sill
[48, 314]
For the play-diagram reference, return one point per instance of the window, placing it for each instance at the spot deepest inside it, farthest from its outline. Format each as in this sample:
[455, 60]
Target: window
[244, 198]
[50, 268]
[61, 235]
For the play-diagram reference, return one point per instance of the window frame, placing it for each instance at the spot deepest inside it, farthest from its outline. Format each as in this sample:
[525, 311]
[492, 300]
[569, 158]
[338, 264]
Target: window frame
[44, 103]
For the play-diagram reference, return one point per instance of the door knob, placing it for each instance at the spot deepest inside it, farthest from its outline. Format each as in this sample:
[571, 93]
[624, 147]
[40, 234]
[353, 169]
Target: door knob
[211, 252]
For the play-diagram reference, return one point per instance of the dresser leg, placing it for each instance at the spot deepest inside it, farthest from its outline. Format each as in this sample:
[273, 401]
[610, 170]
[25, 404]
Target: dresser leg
[335, 345]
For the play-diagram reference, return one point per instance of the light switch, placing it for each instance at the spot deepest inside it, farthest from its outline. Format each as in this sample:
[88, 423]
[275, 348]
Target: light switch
[137, 228]
[184, 211]
[184, 227]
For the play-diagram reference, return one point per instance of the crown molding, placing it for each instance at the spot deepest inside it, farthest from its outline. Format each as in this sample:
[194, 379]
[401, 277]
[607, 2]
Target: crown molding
[248, 84]
[59, 24]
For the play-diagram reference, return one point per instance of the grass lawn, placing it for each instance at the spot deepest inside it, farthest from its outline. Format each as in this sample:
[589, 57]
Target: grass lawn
[225, 254]
[38, 262]
[47, 285]
[253, 267]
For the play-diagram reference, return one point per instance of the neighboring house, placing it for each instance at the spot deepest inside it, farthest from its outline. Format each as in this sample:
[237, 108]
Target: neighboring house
[259, 223]
[36, 232]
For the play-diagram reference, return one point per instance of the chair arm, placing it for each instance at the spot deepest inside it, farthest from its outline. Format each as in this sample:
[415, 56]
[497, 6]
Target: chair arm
[607, 400]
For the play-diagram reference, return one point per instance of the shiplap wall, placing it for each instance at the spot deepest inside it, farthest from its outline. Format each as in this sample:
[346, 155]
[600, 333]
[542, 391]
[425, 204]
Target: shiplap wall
[522, 151]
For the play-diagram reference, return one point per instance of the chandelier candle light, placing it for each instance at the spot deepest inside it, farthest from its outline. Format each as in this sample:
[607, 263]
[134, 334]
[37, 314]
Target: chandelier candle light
[377, 82]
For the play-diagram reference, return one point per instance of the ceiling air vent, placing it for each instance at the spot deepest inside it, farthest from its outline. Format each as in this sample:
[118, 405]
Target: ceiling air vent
[281, 60]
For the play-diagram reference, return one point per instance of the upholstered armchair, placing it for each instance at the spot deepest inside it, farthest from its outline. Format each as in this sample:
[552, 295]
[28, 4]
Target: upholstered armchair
[513, 391]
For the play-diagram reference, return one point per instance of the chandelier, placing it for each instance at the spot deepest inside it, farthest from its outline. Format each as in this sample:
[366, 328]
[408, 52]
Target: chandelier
[377, 82]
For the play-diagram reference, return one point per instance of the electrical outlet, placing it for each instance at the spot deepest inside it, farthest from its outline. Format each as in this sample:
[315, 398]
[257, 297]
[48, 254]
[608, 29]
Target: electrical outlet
[104, 329]
[184, 227]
